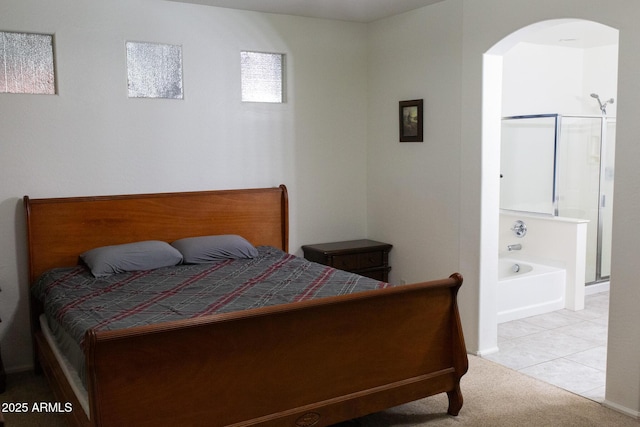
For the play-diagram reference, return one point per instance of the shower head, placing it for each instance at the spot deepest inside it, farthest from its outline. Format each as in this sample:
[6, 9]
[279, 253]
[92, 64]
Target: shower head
[603, 107]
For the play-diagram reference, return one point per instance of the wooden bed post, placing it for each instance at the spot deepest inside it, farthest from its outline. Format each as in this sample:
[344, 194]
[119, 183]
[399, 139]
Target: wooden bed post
[459, 351]
[35, 307]
[285, 218]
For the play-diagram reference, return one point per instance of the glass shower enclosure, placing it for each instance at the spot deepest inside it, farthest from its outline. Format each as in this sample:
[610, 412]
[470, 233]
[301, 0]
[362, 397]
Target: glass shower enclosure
[563, 165]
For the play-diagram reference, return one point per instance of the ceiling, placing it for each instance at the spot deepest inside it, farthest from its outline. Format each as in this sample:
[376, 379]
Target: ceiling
[345, 10]
[577, 34]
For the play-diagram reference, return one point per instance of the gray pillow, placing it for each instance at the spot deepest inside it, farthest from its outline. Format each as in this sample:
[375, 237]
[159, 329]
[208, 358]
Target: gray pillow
[147, 255]
[198, 250]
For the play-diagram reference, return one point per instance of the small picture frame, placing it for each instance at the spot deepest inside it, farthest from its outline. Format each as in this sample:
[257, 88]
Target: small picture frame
[411, 121]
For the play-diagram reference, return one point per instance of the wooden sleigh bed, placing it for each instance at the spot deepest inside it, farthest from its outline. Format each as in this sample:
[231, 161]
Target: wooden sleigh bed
[309, 363]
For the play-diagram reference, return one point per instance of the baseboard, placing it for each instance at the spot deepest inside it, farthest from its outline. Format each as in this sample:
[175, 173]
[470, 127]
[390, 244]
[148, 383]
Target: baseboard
[596, 288]
[622, 409]
[485, 352]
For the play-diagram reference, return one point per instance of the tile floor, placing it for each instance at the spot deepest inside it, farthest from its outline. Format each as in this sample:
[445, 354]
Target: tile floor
[565, 348]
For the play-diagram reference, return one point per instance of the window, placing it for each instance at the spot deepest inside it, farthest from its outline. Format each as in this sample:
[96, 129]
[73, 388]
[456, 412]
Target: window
[154, 70]
[262, 77]
[26, 63]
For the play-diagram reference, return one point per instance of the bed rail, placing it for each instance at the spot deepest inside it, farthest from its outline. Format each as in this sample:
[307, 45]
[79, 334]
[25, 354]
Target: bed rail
[312, 363]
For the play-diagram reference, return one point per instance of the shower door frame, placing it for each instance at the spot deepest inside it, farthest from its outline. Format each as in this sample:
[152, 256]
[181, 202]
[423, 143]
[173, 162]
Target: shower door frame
[601, 174]
[554, 191]
[604, 163]
[601, 197]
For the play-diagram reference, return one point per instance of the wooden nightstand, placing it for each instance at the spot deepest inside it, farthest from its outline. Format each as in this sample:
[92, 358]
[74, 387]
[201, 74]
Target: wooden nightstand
[365, 257]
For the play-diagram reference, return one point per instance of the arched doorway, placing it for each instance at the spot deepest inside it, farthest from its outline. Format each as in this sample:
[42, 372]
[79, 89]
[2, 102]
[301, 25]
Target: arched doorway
[535, 100]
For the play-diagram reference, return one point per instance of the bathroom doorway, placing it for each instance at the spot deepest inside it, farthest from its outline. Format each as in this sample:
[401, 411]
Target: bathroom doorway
[568, 74]
[547, 44]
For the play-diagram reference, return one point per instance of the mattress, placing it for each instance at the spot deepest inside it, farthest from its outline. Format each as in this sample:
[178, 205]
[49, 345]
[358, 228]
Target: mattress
[68, 369]
[75, 301]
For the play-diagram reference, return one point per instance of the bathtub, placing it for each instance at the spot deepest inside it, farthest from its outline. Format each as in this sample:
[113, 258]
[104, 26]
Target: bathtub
[527, 289]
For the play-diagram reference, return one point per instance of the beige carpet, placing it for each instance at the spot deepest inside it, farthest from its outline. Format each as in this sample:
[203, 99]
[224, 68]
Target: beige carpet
[496, 396]
[493, 396]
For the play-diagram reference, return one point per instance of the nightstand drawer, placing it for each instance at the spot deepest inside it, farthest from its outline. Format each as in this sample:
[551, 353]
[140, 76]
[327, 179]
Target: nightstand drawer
[345, 262]
[370, 259]
[357, 261]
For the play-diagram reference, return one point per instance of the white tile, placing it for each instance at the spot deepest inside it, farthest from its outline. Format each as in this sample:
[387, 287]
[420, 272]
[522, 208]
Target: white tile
[565, 348]
[596, 394]
[555, 343]
[568, 375]
[551, 320]
[598, 298]
[602, 320]
[517, 329]
[587, 330]
[516, 356]
[598, 302]
[584, 314]
[594, 358]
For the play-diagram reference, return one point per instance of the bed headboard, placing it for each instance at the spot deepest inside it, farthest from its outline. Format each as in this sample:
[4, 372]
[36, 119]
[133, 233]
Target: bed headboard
[60, 229]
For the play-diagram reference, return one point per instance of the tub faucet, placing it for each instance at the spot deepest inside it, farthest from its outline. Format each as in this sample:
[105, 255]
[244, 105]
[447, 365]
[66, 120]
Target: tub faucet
[515, 247]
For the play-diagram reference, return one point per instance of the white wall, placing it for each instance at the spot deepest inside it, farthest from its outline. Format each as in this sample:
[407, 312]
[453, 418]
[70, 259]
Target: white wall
[482, 31]
[543, 79]
[414, 188]
[91, 139]
[415, 193]
[601, 77]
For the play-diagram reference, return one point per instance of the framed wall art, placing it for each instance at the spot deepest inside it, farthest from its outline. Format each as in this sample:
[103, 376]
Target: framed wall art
[411, 121]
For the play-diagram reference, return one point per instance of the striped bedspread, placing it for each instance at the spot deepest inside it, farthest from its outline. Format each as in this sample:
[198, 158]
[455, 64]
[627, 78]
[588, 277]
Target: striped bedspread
[78, 301]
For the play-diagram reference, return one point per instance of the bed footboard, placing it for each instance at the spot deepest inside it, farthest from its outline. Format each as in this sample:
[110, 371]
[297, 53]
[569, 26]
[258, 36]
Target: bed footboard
[314, 363]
